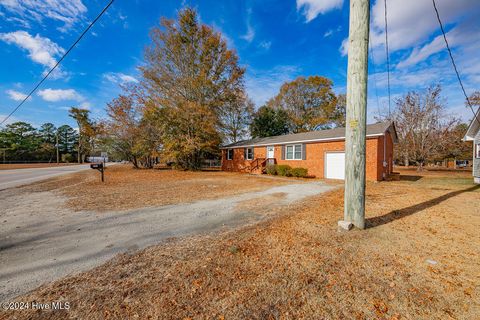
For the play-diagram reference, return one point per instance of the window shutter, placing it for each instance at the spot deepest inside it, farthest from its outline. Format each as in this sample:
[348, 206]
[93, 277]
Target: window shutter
[304, 151]
[253, 153]
[283, 152]
[245, 153]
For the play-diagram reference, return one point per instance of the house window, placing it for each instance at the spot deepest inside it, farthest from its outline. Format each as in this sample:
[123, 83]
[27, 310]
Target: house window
[248, 153]
[477, 151]
[229, 154]
[293, 152]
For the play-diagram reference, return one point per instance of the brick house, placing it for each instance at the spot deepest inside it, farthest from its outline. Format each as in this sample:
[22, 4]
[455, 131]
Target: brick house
[321, 152]
[473, 134]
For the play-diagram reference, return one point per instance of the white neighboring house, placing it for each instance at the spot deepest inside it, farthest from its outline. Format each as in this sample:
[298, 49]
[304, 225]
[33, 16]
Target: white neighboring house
[473, 134]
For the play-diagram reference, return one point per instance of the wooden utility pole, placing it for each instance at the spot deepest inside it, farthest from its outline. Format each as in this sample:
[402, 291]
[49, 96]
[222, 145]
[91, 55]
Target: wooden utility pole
[56, 143]
[355, 134]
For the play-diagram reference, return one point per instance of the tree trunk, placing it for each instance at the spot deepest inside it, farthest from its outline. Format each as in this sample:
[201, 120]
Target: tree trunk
[420, 166]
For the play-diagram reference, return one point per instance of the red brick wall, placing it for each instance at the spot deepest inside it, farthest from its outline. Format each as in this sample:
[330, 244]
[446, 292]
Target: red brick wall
[316, 157]
[387, 153]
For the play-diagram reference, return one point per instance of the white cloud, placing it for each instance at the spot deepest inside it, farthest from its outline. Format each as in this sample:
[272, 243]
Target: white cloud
[466, 34]
[330, 32]
[262, 85]
[411, 22]
[86, 105]
[16, 95]
[118, 77]
[68, 12]
[55, 95]
[250, 30]
[312, 8]
[265, 45]
[249, 35]
[40, 50]
[344, 47]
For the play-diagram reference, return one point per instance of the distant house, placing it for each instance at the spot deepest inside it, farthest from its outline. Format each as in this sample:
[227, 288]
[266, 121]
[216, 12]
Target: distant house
[321, 152]
[473, 134]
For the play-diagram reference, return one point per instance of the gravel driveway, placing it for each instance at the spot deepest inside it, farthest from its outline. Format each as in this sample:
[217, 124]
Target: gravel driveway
[41, 240]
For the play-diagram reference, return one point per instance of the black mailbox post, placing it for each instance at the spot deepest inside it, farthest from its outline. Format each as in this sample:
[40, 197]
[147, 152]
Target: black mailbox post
[98, 166]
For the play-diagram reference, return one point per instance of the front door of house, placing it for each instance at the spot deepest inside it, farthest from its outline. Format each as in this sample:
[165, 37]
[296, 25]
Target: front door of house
[270, 152]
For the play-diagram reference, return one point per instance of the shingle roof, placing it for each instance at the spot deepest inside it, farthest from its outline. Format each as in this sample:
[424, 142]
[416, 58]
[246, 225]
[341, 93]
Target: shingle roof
[332, 134]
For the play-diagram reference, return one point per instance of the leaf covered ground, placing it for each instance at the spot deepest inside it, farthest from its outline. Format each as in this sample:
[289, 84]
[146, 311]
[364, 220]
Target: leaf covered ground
[418, 259]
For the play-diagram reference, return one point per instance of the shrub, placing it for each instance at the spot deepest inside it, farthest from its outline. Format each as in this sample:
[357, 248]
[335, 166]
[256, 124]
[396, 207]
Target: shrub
[299, 172]
[284, 170]
[67, 157]
[271, 169]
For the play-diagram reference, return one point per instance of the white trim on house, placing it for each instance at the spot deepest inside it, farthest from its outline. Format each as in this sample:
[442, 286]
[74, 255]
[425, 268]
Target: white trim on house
[247, 155]
[296, 142]
[294, 151]
[228, 154]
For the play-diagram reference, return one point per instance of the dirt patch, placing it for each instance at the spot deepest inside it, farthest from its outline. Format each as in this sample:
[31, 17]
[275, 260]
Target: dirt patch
[416, 260]
[127, 188]
[12, 166]
[448, 173]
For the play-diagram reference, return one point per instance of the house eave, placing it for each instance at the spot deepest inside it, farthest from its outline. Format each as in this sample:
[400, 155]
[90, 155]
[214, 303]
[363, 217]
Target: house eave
[294, 142]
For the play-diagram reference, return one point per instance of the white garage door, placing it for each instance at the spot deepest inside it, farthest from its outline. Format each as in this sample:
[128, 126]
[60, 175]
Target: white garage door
[335, 165]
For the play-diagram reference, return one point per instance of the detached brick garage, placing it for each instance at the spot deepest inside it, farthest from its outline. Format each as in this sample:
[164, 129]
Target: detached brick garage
[321, 152]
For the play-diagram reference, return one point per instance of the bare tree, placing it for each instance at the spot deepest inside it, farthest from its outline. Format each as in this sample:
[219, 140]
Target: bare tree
[423, 127]
[236, 117]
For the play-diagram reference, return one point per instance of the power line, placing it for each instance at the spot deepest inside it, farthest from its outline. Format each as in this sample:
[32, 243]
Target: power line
[58, 62]
[388, 59]
[374, 76]
[453, 62]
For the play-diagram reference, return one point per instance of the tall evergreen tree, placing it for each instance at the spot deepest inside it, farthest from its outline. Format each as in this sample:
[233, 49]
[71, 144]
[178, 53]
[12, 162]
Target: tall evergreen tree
[190, 76]
[267, 122]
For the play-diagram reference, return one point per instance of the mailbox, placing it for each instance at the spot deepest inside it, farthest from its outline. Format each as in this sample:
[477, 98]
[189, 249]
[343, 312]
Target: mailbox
[96, 165]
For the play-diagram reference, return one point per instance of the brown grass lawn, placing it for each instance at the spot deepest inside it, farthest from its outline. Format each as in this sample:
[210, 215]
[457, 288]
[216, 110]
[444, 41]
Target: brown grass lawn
[128, 188]
[419, 259]
[10, 166]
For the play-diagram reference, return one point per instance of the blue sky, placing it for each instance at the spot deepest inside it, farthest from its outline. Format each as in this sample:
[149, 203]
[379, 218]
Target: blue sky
[275, 40]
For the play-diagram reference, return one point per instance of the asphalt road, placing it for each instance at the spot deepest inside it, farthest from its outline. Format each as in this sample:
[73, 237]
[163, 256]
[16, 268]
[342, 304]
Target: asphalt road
[42, 240]
[18, 177]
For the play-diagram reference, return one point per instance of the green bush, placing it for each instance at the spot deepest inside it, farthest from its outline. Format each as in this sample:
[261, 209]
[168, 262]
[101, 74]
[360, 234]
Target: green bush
[67, 157]
[299, 172]
[284, 170]
[271, 169]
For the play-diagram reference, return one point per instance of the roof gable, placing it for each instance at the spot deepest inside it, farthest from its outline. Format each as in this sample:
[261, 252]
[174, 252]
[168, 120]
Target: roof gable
[473, 128]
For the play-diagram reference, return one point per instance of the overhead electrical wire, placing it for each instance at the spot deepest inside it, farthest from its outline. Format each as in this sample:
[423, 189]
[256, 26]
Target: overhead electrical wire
[374, 76]
[58, 62]
[388, 60]
[453, 62]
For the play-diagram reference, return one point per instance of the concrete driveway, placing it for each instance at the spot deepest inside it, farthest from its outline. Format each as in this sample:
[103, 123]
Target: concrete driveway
[41, 240]
[18, 177]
